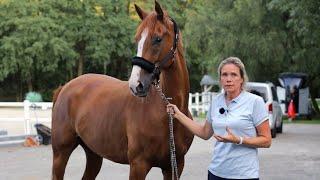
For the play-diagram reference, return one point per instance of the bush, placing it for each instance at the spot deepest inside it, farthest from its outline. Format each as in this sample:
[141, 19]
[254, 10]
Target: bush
[33, 97]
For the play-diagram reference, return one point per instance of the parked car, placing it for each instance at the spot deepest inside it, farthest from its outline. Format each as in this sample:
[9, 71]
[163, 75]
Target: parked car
[268, 92]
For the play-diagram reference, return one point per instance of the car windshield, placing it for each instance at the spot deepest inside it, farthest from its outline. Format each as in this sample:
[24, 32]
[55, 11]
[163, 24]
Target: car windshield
[260, 91]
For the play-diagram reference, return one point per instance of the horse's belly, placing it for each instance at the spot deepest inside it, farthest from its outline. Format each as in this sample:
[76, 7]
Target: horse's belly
[97, 115]
[104, 135]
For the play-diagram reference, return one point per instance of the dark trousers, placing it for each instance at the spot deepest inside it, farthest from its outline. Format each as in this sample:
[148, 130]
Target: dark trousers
[214, 177]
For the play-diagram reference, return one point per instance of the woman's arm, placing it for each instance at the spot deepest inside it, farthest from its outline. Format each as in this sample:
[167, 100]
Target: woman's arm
[203, 131]
[263, 139]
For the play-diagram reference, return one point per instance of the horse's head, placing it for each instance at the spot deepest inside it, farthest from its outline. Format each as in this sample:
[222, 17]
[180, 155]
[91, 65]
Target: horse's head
[157, 38]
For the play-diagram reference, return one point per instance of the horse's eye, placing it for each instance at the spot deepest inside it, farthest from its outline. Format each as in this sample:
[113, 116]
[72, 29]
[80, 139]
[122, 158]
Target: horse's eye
[157, 40]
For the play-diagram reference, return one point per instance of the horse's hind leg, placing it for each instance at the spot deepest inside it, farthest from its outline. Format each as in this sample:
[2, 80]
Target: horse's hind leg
[93, 166]
[63, 143]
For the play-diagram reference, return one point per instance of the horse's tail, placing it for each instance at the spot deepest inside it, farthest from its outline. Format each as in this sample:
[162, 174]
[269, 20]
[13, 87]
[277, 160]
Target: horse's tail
[56, 94]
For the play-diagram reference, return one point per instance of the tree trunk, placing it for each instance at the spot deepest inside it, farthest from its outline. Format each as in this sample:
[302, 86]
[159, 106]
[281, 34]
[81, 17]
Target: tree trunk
[313, 94]
[80, 48]
[19, 89]
[105, 67]
[314, 102]
[29, 83]
[70, 74]
[315, 105]
[80, 64]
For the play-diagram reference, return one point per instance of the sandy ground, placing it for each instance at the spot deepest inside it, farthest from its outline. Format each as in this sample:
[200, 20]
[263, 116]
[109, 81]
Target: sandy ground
[293, 155]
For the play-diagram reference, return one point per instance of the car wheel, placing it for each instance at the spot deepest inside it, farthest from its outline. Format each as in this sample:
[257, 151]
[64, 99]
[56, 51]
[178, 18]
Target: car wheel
[279, 129]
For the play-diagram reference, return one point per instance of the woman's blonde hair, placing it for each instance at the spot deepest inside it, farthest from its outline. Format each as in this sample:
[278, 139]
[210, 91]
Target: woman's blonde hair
[237, 62]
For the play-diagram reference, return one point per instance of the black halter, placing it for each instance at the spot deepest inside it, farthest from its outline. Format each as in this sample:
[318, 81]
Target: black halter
[155, 68]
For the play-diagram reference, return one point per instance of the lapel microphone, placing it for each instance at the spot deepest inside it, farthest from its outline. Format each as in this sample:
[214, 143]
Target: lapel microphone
[222, 110]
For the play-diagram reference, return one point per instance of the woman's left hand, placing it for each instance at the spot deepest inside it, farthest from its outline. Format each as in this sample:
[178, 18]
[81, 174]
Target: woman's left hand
[230, 137]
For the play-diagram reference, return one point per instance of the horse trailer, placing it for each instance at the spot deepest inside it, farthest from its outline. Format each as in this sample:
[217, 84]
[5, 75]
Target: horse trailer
[294, 87]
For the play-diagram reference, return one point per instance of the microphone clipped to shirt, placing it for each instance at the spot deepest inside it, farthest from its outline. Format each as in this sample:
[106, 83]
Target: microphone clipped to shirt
[222, 110]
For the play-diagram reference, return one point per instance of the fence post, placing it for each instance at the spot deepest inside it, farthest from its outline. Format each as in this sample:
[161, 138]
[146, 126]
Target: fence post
[197, 102]
[190, 103]
[204, 101]
[26, 109]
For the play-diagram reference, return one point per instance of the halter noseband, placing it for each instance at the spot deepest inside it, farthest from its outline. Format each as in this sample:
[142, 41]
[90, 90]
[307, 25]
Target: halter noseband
[155, 68]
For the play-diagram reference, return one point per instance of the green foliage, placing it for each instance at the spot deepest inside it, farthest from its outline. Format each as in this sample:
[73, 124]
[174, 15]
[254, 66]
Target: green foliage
[100, 32]
[246, 29]
[302, 121]
[33, 97]
[38, 38]
[45, 43]
[302, 43]
[31, 44]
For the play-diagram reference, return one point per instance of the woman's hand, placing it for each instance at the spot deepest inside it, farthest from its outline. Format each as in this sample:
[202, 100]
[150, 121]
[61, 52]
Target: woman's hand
[203, 131]
[174, 110]
[230, 137]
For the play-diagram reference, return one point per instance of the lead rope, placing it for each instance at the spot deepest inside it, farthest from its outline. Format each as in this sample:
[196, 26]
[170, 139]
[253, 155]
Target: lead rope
[173, 159]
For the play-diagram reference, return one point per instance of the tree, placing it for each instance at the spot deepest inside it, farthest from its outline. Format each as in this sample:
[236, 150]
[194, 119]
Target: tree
[101, 31]
[43, 40]
[29, 43]
[302, 43]
[246, 29]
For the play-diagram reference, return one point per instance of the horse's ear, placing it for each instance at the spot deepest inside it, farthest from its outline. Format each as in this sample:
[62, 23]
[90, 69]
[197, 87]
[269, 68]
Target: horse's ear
[159, 11]
[140, 12]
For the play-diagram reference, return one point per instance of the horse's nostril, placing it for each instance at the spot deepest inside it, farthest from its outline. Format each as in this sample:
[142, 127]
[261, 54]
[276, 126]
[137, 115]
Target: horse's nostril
[139, 88]
[131, 89]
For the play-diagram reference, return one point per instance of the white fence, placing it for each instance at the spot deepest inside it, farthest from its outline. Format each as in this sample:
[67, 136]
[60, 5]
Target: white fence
[199, 103]
[18, 118]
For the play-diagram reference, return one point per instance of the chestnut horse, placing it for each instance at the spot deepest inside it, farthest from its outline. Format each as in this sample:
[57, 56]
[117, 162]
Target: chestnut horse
[126, 122]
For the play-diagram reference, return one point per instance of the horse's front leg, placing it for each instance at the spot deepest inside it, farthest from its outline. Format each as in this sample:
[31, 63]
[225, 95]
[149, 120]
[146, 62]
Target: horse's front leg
[167, 172]
[139, 169]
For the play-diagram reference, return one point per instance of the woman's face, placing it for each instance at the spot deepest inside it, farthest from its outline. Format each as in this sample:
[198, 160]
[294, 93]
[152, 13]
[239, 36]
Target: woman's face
[231, 79]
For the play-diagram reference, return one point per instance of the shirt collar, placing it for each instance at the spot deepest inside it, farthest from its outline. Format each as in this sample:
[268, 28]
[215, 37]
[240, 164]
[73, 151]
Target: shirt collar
[238, 98]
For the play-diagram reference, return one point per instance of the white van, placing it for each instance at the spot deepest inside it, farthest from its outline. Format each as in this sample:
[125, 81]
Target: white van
[268, 92]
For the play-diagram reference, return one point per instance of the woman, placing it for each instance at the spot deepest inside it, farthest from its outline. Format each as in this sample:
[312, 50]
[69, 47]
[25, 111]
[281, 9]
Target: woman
[238, 120]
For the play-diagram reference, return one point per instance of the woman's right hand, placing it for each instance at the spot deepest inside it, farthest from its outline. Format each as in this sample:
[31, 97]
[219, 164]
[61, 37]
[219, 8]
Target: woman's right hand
[174, 110]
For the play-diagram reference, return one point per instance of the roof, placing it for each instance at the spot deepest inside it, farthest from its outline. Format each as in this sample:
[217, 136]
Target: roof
[291, 80]
[208, 80]
[293, 75]
[262, 84]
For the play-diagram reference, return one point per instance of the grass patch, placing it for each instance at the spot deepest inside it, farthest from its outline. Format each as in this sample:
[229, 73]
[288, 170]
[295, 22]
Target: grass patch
[302, 121]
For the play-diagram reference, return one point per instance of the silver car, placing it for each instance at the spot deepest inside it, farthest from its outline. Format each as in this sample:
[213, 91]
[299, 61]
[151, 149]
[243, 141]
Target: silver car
[268, 92]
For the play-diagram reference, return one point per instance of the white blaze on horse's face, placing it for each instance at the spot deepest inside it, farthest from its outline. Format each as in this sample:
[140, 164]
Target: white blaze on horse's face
[144, 35]
[134, 81]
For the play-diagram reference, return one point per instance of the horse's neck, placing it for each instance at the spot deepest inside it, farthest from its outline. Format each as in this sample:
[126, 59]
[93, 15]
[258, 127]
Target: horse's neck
[175, 82]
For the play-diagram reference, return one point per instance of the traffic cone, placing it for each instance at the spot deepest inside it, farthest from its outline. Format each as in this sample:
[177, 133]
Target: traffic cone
[30, 142]
[291, 111]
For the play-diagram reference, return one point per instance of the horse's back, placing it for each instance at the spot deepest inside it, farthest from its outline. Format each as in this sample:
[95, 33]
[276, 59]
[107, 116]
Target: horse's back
[86, 88]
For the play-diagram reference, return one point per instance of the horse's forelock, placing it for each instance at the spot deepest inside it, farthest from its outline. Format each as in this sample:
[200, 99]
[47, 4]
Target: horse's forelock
[150, 22]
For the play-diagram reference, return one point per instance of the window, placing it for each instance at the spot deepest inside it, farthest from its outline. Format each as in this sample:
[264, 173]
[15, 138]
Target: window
[274, 93]
[260, 91]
